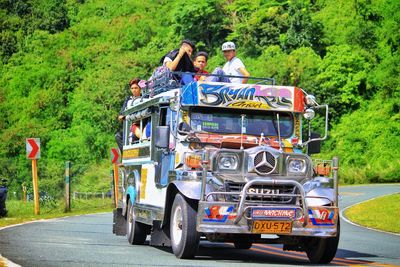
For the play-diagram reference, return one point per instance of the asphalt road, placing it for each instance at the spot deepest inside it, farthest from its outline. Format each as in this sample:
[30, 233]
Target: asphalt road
[88, 241]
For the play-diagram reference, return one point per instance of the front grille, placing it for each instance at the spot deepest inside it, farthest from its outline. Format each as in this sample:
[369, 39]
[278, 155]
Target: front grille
[263, 193]
[264, 163]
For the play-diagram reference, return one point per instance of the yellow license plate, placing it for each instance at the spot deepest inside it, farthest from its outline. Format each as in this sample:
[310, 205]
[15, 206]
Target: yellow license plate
[272, 227]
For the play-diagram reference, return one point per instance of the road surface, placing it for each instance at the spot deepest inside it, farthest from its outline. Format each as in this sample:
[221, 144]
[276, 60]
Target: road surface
[87, 241]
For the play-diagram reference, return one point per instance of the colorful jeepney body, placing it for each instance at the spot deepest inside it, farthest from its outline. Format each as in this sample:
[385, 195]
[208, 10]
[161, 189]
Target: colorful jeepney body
[234, 152]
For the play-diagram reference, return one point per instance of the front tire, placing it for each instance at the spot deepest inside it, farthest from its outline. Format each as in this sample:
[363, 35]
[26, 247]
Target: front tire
[242, 245]
[184, 237]
[323, 250]
[136, 232]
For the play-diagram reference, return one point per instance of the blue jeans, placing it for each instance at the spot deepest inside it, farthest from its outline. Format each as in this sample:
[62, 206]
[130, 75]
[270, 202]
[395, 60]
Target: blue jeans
[218, 72]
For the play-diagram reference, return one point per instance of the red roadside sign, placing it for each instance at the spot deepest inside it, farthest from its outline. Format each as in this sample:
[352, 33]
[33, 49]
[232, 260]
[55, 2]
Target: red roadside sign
[33, 148]
[114, 155]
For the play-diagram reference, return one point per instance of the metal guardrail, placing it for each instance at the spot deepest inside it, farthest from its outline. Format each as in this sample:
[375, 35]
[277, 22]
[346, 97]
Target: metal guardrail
[88, 195]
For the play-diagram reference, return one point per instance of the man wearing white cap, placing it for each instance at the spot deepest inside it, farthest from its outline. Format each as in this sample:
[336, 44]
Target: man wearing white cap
[234, 66]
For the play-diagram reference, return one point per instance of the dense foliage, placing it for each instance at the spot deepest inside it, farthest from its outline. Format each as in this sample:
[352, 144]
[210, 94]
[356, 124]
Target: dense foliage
[65, 65]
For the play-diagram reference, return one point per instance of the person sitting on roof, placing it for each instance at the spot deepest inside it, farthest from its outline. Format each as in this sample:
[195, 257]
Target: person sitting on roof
[200, 63]
[179, 60]
[234, 66]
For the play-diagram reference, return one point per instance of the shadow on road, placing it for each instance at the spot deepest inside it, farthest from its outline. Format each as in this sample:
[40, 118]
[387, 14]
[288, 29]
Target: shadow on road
[227, 253]
[344, 253]
[262, 254]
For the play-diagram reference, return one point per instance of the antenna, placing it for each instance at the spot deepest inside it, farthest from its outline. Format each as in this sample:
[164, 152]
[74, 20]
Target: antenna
[241, 131]
[261, 139]
[279, 132]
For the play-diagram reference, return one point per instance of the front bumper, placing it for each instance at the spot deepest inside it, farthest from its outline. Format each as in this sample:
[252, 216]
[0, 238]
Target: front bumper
[322, 220]
[241, 216]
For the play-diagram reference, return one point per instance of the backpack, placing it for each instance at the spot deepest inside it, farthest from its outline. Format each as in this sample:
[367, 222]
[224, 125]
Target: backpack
[161, 80]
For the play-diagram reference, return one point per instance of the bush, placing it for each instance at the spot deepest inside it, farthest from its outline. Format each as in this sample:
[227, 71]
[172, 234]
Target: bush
[367, 142]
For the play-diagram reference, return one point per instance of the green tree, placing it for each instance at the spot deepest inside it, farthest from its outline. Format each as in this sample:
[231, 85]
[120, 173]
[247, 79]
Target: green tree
[200, 21]
[255, 25]
[302, 30]
[342, 78]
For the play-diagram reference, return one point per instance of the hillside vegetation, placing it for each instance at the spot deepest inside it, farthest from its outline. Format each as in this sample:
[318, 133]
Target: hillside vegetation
[65, 65]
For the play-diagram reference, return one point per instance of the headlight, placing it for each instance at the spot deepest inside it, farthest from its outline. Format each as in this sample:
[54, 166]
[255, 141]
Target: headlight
[297, 166]
[228, 161]
[309, 114]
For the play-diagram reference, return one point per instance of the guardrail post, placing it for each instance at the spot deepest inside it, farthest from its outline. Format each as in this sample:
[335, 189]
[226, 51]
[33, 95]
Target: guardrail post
[24, 192]
[67, 187]
[112, 186]
[35, 187]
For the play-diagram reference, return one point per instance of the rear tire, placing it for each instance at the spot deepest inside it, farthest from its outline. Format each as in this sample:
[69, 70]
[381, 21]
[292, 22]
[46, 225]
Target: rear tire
[184, 237]
[323, 250]
[136, 232]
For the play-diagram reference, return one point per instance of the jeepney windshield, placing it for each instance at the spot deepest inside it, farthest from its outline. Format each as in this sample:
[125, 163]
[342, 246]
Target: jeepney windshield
[229, 122]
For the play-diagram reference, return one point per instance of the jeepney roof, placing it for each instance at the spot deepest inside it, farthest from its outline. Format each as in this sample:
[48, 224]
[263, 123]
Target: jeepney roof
[152, 101]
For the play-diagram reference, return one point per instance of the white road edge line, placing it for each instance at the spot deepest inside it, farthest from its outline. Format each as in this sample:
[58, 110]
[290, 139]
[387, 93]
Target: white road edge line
[51, 219]
[358, 225]
[13, 264]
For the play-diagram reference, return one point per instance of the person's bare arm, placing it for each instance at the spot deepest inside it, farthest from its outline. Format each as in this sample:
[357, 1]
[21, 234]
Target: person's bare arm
[121, 117]
[245, 73]
[174, 63]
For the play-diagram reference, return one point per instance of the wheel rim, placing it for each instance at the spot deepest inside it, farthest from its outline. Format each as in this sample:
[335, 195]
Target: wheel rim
[177, 226]
[130, 221]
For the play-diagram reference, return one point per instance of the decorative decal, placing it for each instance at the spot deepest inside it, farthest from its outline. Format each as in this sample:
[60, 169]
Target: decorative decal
[251, 96]
[297, 125]
[130, 153]
[273, 213]
[322, 216]
[143, 182]
[218, 214]
[136, 153]
[228, 95]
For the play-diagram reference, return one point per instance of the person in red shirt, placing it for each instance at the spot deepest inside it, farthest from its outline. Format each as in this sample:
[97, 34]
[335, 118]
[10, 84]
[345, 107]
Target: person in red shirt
[200, 63]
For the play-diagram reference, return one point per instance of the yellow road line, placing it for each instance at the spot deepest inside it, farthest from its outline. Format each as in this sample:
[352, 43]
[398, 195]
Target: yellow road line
[291, 254]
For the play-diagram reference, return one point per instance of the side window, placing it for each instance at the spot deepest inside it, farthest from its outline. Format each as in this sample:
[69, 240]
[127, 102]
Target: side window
[145, 130]
[134, 132]
[163, 116]
[138, 131]
[167, 117]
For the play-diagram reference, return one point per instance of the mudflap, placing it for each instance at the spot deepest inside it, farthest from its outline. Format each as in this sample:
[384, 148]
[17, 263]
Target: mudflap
[159, 236]
[119, 222]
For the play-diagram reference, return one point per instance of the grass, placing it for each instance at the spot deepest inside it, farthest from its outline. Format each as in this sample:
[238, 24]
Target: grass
[380, 213]
[19, 212]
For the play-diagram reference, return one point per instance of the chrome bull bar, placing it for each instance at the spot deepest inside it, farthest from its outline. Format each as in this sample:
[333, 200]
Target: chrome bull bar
[243, 195]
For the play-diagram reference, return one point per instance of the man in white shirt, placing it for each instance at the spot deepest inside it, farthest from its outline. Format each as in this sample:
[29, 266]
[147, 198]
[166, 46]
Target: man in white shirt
[234, 66]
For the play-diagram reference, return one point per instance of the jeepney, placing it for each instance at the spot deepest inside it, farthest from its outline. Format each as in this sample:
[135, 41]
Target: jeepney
[224, 162]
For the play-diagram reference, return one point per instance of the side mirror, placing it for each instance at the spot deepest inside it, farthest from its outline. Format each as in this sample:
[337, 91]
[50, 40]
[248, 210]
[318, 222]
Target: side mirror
[162, 137]
[314, 147]
[183, 128]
